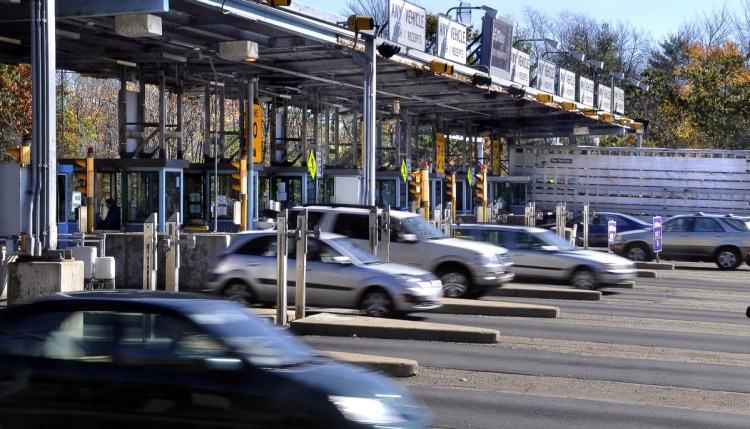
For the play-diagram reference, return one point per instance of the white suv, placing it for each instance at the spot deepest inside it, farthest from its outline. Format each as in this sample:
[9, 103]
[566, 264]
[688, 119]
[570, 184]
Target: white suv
[467, 269]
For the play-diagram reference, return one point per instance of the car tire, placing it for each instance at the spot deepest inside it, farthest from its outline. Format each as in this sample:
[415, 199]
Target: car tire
[455, 284]
[583, 278]
[637, 252]
[376, 303]
[238, 292]
[728, 259]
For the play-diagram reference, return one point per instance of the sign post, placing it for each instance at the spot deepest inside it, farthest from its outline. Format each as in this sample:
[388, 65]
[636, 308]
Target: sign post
[611, 233]
[657, 229]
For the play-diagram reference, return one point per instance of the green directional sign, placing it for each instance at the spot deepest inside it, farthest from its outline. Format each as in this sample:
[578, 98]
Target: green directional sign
[312, 165]
[470, 176]
[404, 170]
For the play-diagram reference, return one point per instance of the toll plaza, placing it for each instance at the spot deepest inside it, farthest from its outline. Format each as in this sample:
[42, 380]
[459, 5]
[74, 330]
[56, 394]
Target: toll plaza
[299, 106]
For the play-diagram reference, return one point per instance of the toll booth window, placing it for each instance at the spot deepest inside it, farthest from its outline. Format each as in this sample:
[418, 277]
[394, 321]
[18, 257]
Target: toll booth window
[142, 196]
[173, 193]
[385, 193]
[225, 197]
[194, 197]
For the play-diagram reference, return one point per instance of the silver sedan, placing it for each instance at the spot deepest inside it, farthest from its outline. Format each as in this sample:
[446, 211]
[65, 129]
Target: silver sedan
[541, 254]
[339, 274]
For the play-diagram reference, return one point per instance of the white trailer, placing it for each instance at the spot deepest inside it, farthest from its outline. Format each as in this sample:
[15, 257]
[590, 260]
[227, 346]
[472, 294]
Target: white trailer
[643, 181]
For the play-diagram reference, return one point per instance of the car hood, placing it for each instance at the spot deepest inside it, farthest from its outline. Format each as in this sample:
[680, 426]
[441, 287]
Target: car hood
[595, 255]
[335, 378]
[633, 233]
[395, 269]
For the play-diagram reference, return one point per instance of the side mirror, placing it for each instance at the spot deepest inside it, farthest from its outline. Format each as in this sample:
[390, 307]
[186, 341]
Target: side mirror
[409, 238]
[341, 260]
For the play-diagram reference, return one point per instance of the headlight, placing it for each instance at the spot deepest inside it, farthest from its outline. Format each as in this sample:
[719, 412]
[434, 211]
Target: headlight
[486, 259]
[365, 410]
[407, 278]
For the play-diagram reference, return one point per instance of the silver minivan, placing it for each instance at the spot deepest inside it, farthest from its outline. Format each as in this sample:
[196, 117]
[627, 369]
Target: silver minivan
[466, 269]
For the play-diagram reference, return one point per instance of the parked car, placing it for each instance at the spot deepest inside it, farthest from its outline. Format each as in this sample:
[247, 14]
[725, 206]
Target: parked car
[339, 274]
[466, 269]
[599, 227]
[722, 239]
[123, 359]
[539, 253]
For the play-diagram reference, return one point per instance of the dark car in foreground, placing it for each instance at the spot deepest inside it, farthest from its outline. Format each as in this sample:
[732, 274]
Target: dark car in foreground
[722, 239]
[136, 359]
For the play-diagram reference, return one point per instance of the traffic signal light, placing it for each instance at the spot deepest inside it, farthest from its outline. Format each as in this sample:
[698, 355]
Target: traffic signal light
[22, 154]
[415, 185]
[241, 186]
[481, 179]
[86, 187]
[240, 176]
[450, 185]
[86, 177]
[425, 185]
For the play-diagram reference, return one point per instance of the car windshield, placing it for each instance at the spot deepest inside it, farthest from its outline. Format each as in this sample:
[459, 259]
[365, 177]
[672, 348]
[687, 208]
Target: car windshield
[419, 226]
[260, 343]
[553, 239]
[354, 250]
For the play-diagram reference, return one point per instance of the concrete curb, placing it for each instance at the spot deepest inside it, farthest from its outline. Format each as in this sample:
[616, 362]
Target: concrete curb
[347, 326]
[647, 274]
[654, 266]
[393, 366]
[494, 308]
[519, 291]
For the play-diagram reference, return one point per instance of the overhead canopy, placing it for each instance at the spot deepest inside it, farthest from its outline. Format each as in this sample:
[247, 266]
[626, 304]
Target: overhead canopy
[302, 52]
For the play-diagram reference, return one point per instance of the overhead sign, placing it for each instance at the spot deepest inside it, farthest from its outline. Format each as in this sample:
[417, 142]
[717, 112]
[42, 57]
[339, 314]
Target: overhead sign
[619, 100]
[604, 99]
[586, 91]
[657, 228]
[451, 40]
[520, 66]
[567, 84]
[545, 76]
[439, 153]
[407, 24]
[497, 42]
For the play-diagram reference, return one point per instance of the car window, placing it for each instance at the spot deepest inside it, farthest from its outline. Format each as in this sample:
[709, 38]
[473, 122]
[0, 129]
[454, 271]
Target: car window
[106, 336]
[738, 224]
[704, 224]
[313, 218]
[264, 245]
[679, 224]
[352, 225]
[317, 250]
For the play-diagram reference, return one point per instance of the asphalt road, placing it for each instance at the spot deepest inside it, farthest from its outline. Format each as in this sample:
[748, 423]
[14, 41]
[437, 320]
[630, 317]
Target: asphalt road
[673, 352]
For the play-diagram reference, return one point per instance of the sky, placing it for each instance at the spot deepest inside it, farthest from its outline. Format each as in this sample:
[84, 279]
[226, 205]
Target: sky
[657, 17]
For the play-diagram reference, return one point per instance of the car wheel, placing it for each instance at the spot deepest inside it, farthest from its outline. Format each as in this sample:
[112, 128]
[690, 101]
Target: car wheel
[583, 278]
[377, 303]
[637, 252]
[455, 284]
[238, 292]
[728, 259]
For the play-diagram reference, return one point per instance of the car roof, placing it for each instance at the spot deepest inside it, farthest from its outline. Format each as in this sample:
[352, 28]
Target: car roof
[483, 226]
[354, 209]
[114, 297]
